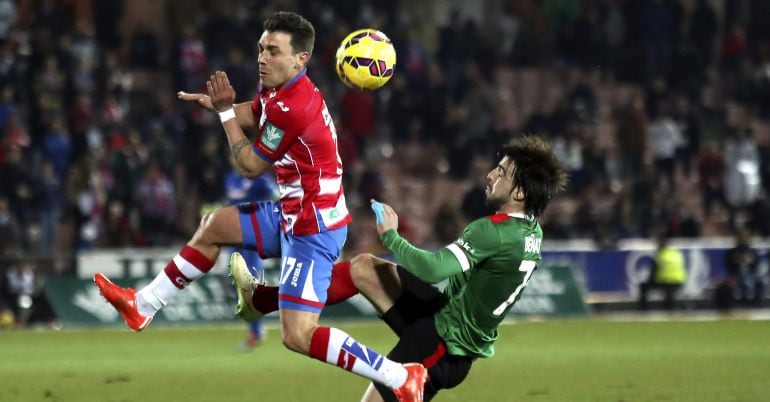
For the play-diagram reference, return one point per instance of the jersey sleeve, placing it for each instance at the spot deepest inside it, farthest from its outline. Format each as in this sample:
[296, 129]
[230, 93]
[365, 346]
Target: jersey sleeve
[281, 130]
[479, 240]
[431, 267]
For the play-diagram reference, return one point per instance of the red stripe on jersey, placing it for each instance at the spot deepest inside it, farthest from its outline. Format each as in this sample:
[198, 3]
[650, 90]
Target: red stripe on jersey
[306, 154]
[255, 226]
[497, 218]
[197, 259]
[431, 360]
[297, 300]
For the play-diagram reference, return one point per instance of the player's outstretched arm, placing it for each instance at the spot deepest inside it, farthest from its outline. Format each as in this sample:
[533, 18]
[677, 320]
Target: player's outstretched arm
[222, 96]
[243, 113]
[431, 267]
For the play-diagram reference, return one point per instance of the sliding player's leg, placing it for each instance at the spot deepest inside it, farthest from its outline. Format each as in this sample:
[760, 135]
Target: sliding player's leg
[228, 226]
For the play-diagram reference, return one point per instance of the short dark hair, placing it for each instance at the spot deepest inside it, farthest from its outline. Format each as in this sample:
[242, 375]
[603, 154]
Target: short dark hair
[537, 171]
[301, 30]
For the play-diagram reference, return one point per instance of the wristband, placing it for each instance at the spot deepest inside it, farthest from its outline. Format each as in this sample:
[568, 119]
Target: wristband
[227, 115]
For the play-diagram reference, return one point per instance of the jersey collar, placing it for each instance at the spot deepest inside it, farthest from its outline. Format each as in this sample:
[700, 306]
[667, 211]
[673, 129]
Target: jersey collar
[294, 80]
[286, 85]
[520, 215]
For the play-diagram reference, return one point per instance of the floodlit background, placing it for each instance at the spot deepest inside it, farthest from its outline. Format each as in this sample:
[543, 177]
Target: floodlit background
[660, 110]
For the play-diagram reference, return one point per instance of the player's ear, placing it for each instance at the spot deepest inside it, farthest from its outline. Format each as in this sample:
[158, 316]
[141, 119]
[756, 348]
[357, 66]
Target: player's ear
[302, 59]
[518, 194]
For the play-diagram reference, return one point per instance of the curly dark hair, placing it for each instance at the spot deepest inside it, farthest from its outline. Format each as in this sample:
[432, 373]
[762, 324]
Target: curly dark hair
[537, 171]
[301, 30]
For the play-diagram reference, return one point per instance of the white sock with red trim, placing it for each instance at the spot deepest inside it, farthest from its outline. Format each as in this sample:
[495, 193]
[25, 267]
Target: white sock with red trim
[189, 265]
[330, 345]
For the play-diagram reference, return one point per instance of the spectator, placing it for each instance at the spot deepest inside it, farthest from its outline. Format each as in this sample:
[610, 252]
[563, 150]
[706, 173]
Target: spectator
[631, 136]
[742, 263]
[687, 122]
[21, 289]
[473, 206]
[446, 223]
[711, 170]
[703, 31]
[51, 208]
[191, 54]
[10, 231]
[668, 273]
[157, 204]
[759, 215]
[664, 137]
[58, 147]
[742, 181]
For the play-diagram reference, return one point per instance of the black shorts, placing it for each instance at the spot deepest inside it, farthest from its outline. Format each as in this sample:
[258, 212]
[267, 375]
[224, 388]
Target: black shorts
[419, 341]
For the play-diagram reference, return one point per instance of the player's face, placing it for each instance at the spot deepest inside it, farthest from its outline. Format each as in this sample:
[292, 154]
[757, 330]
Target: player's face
[499, 185]
[277, 62]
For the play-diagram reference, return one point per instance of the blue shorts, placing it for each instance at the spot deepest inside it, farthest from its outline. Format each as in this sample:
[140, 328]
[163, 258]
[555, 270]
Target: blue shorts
[306, 261]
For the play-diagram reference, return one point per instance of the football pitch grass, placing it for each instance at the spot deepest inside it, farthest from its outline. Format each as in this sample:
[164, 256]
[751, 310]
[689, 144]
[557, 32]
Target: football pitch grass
[580, 360]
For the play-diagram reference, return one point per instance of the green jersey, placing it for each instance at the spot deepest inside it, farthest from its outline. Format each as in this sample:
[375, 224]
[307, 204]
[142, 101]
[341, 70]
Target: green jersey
[487, 267]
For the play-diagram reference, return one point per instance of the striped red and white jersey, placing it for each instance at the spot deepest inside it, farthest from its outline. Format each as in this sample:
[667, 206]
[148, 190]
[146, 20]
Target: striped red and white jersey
[297, 135]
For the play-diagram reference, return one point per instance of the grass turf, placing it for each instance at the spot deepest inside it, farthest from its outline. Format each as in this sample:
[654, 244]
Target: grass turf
[580, 360]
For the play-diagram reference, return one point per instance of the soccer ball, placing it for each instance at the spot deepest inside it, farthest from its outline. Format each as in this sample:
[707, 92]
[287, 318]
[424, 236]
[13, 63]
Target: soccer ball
[366, 59]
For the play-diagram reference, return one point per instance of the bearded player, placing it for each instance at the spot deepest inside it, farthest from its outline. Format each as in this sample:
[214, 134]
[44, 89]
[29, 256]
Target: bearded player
[487, 268]
[307, 227]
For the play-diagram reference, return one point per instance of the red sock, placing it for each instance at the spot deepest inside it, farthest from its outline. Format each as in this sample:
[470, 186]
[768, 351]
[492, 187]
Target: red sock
[341, 286]
[319, 343]
[265, 299]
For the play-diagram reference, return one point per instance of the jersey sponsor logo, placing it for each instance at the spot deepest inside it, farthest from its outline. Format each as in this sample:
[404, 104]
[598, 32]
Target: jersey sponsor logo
[334, 214]
[272, 136]
[532, 244]
[283, 107]
[465, 246]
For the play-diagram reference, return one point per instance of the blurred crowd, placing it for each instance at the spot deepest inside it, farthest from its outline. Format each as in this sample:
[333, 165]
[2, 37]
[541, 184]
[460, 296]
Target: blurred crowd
[659, 108]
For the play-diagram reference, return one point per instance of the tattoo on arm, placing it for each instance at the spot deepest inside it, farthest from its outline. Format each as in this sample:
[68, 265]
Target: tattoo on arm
[238, 147]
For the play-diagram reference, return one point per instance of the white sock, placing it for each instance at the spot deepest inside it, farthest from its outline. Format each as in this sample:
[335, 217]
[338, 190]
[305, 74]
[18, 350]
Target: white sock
[154, 296]
[186, 267]
[347, 353]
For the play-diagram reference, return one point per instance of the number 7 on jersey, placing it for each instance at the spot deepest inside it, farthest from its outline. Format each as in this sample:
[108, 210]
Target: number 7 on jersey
[526, 266]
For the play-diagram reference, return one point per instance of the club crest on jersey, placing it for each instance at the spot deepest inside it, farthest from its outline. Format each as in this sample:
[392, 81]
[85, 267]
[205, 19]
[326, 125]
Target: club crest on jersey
[272, 136]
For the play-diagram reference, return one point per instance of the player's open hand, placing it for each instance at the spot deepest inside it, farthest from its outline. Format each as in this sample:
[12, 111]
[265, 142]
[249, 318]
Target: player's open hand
[386, 217]
[202, 100]
[221, 92]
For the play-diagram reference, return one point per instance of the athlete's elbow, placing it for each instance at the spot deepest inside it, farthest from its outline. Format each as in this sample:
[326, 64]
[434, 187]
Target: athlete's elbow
[250, 173]
[430, 277]
[252, 167]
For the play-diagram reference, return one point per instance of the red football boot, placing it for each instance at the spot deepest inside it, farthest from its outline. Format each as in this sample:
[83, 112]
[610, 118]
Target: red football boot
[124, 300]
[412, 389]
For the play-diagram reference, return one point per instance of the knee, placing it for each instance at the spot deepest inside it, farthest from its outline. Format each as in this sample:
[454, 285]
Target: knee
[362, 271]
[296, 339]
[205, 226]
